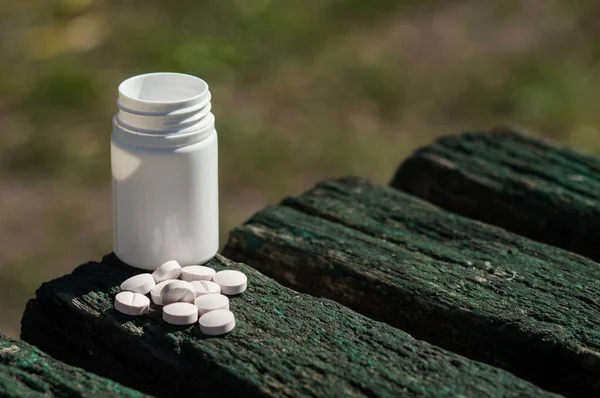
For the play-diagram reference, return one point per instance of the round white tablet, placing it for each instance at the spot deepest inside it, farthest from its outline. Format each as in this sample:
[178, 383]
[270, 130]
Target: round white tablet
[141, 283]
[205, 287]
[197, 273]
[156, 291]
[131, 303]
[169, 270]
[177, 291]
[180, 313]
[211, 302]
[217, 322]
[232, 282]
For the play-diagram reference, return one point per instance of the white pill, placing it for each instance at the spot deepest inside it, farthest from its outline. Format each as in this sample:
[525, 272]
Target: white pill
[169, 270]
[211, 302]
[177, 291]
[217, 322]
[155, 293]
[232, 282]
[205, 287]
[141, 283]
[197, 273]
[180, 313]
[131, 303]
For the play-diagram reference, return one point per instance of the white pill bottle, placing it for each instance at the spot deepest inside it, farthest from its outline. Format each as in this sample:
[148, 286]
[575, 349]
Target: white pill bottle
[164, 160]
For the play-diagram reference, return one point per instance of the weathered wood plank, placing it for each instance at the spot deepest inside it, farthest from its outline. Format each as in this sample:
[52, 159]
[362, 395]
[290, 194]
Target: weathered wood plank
[285, 344]
[472, 288]
[534, 188]
[26, 371]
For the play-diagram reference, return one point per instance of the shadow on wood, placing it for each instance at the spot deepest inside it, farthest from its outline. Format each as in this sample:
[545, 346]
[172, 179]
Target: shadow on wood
[25, 371]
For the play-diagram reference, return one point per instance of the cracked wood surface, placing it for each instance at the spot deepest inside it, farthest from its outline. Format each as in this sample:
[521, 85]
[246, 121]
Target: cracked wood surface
[285, 344]
[26, 371]
[469, 287]
[532, 187]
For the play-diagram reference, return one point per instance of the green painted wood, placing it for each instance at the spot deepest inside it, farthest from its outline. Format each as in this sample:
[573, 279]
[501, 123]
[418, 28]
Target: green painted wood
[469, 287]
[534, 188]
[285, 344]
[26, 371]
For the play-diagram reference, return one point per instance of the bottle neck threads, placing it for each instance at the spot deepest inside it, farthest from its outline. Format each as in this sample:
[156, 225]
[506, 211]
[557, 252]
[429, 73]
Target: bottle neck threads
[163, 110]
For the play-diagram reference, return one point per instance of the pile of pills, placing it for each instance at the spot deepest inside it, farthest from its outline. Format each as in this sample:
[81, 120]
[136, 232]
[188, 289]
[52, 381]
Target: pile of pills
[199, 296]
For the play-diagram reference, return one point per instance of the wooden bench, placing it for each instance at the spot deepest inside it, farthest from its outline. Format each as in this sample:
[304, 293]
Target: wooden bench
[25, 371]
[513, 317]
[532, 187]
[463, 285]
[285, 344]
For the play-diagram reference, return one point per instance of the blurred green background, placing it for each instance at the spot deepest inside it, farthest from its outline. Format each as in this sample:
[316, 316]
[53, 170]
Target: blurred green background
[302, 90]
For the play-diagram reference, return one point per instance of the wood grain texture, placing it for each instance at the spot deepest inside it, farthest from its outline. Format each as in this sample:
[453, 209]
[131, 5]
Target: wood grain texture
[26, 371]
[534, 188]
[285, 344]
[469, 287]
